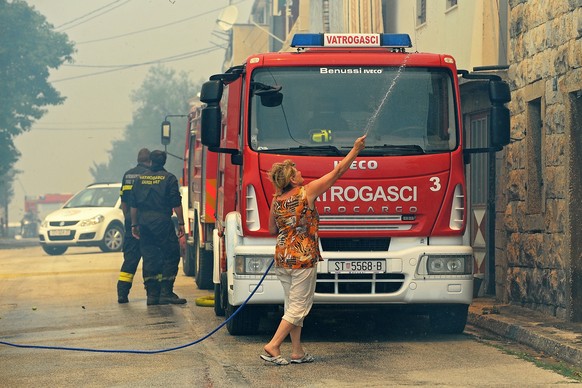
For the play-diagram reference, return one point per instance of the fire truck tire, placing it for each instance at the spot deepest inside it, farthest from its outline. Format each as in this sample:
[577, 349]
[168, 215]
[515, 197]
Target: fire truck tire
[220, 296]
[54, 250]
[245, 322]
[204, 266]
[189, 261]
[449, 319]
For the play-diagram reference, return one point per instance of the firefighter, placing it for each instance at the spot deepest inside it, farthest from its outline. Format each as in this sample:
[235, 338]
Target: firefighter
[153, 197]
[131, 252]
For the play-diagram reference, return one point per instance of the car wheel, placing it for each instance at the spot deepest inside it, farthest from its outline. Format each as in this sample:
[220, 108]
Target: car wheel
[112, 239]
[54, 250]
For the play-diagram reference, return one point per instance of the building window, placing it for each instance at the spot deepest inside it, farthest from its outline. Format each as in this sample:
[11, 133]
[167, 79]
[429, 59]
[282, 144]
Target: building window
[534, 182]
[420, 12]
[451, 3]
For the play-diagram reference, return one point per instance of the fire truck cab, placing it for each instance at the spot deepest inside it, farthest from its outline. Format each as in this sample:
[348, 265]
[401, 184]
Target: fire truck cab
[391, 229]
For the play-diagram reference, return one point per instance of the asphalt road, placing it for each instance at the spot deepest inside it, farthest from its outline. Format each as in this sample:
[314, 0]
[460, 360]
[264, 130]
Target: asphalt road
[69, 301]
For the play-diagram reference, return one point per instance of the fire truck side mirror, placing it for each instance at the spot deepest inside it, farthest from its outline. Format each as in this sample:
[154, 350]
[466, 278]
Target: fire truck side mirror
[499, 123]
[499, 126]
[210, 120]
[211, 92]
[210, 125]
[499, 92]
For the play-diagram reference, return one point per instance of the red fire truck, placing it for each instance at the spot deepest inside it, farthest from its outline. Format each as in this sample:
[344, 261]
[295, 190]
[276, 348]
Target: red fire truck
[392, 227]
[199, 201]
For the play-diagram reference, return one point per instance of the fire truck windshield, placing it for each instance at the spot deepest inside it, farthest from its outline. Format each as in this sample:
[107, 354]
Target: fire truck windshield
[404, 110]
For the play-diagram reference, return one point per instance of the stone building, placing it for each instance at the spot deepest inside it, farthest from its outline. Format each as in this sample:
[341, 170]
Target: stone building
[538, 235]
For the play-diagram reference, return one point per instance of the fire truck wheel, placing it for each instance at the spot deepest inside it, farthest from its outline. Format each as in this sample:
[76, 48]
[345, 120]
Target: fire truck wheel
[449, 319]
[218, 297]
[189, 260]
[204, 266]
[245, 322]
[54, 250]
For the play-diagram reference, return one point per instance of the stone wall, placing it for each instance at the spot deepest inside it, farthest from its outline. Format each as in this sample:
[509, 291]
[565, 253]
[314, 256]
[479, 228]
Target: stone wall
[533, 256]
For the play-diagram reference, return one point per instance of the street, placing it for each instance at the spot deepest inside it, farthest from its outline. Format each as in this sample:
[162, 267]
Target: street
[69, 301]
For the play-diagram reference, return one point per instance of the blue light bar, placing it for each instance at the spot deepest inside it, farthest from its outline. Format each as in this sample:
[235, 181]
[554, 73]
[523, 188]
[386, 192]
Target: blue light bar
[351, 40]
[395, 40]
[307, 40]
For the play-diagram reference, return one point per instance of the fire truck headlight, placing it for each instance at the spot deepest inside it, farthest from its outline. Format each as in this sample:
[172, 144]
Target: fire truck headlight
[254, 265]
[449, 265]
[92, 221]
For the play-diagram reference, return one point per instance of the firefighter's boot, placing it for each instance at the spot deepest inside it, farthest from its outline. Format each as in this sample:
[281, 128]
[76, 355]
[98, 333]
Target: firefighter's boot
[123, 291]
[153, 293]
[167, 294]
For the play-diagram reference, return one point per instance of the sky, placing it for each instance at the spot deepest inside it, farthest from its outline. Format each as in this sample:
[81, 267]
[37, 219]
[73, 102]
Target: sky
[61, 147]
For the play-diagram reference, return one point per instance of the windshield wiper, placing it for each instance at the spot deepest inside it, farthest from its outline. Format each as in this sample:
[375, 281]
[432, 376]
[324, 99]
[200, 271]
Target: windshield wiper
[407, 149]
[306, 150]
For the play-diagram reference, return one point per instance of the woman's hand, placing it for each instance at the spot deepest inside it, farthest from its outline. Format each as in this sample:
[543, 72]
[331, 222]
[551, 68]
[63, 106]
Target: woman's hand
[360, 143]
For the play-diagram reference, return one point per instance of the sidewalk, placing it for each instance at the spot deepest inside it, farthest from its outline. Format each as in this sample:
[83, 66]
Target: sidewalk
[11, 242]
[562, 340]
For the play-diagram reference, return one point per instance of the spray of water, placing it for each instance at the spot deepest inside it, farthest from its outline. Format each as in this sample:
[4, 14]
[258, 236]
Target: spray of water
[374, 117]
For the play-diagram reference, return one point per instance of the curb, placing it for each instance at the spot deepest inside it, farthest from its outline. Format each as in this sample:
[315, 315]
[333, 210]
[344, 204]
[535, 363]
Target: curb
[540, 338]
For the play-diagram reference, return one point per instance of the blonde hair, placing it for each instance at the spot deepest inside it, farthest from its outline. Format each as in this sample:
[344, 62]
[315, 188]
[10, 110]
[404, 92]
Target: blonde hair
[281, 174]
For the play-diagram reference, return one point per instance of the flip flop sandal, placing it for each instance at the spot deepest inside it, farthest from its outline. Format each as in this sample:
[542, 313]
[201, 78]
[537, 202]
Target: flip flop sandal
[276, 360]
[307, 358]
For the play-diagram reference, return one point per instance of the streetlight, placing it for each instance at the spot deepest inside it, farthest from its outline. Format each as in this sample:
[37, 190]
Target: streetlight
[167, 134]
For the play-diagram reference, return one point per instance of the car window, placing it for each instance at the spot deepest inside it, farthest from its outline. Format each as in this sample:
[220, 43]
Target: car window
[95, 197]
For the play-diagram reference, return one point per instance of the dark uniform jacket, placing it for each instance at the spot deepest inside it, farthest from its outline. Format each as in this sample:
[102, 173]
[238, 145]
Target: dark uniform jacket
[155, 193]
[127, 183]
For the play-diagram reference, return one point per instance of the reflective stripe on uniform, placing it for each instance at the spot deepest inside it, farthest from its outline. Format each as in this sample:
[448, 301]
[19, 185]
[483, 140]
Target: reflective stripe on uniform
[126, 277]
[157, 277]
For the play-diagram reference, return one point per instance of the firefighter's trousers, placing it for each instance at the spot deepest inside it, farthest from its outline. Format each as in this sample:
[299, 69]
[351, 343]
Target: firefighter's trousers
[131, 258]
[160, 251]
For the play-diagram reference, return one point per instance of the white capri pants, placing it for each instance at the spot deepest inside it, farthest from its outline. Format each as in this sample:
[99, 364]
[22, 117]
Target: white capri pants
[299, 288]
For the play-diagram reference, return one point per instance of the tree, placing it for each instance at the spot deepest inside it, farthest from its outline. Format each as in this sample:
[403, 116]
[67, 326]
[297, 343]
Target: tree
[29, 47]
[162, 93]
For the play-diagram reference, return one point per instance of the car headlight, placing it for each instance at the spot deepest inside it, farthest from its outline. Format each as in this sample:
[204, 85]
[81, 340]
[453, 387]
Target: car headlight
[449, 265]
[92, 221]
[252, 265]
[44, 224]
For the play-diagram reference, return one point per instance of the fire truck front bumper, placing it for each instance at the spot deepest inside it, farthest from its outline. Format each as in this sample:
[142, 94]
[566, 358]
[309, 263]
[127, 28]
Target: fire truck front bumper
[421, 275]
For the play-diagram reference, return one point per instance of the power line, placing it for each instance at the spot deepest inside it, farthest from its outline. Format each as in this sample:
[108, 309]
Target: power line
[77, 129]
[174, 58]
[97, 10]
[150, 28]
[87, 14]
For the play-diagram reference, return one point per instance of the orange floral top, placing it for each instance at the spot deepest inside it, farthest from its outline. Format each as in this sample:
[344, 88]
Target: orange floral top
[298, 242]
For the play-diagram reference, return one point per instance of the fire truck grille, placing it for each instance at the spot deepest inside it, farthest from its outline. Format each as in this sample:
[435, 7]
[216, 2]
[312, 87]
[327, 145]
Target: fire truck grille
[358, 283]
[355, 244]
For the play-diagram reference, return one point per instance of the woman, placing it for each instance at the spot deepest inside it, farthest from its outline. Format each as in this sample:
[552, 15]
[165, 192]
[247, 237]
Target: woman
[294, 219]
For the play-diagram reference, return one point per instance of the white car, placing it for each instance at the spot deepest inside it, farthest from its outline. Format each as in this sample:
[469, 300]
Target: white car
[92, 217]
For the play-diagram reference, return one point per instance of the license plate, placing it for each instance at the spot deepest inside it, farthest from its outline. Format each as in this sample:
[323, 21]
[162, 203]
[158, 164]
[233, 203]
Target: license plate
[356, 266]
[59, 232]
